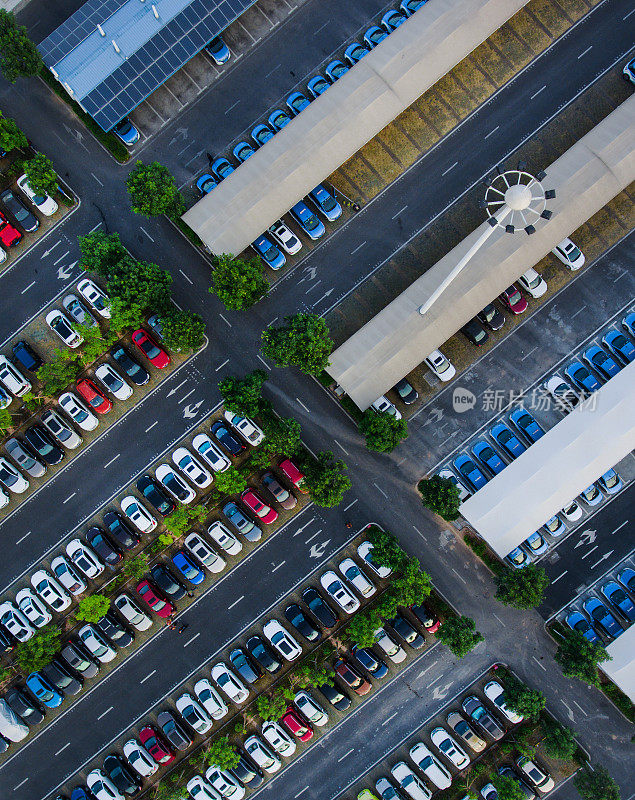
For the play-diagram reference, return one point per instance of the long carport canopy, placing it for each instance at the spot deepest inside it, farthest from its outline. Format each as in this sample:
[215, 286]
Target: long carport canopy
[621, 670]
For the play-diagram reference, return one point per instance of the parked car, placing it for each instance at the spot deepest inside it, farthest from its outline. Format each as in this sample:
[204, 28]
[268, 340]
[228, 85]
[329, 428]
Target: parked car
[293, 475]
[518, 558]
[389, 646]
[261, 755]
[319, 607]
[278, 738]
[77, 410]
[191, 467]
[461, 728]
[440, 365]
[33, 608]
[357, 578]
[297, 102]
[524, 788]
[411, 784]
[488, 456]
[204, 553]
[293, 722]
[474, 332]
[78, 311]
[526, 424]
[242, 151]
[354, 52]
[96, 644]
[426, 617]
[257, 505]
[610, 482]
[26, 356]
[374, 35]
[365, 552]
[221, 432]
[569, 253]
[151, 595]
[95, 398]
[537, 777]
[321, 197]
[95, 297]
[261, 653]
[155, 495]
[491, 317]
[76, 657]
[229, 683]
[61, 325]
[307, 220]
[15, 622]
[29, 710]
[224, 538]
[282, 640]
[482, 718]
[383, 406]
[406, 393]
[11, 478]
[468, 469]
[310, 709]
[271, 253]
[243, 666]
[151, 350]
[12, 379]
[278, 119]
[173, 731]
[337, 698]
[19, 211]
[496, 695]
[137, 374]
[282, 495]
[285, 238]
[218, 50]
[405, 631]
[114, 630]
[84, 559]
[622, 348]
[156, 745]
[430, 765]
[564, 396]
[507, 440]
[242, 523]
[139, 758]
[193, 713]
[175, 485]
[225, 784]
[58, 674]
[50, 590]
[297, 618]
[533, 283]
[578, 622]
[367, 659]
[9, 234]
[210, 699]
[602, 617]
[167, 581]
[127, 132]
[205, 183]
[261, 134]
[601, 362]
[351, 678]
[210, 453]
[119, 530]
[141, 518]
[44, 204]
[619, 600]
[336, 589]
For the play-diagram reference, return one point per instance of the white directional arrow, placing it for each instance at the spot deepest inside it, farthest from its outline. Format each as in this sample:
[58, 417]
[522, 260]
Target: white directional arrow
[64, 273]
[604, 557]
[569, 711]
[176, 388]
[312, 271]
[50, 250]
[191, 411]
[324, 296]
[435, 414]
[441, 691]
[317, 550]
[75, 133]
[586, 537]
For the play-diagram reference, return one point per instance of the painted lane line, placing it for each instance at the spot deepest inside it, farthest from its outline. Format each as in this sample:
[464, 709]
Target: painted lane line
[220, 366]
[500, 620]
[590, 551]
[68, 744]
[449, 169]
[538, 92]
[539, 664]
[15, 788]
[491, 133]
[149, 675]
[460, 577]
[281, 564]
[227, 321]
[231, 107]
[620, 276]
[579, 311]
[269, 324]
[346, 755]
[580, 707]
[187, 278]
[321, 28]
[271, 71]
[302, 791]
[359, 247]
[317, 283]
[260, 358]
[399, 213]
[98, 225]
[315, 535]
[26, 288]
[619, 527]
[112, 460]
[183, 399]
[61, 258]
[584, 52]
[22, 538]
[302, 404]
[350, 505]
[103, 714]
[235, 603]
[97, 179]
[386, 721]
[379, 489]
[341, 448]
[427, 669]
[152, 426]
[533, 350]
[146, 233]
[623, 18]
[555, 580]
[189, 641]
[306, 525]
[70, 497]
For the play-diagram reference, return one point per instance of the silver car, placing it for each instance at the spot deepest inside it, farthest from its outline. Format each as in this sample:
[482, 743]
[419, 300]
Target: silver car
[23, 458]
[64, 434]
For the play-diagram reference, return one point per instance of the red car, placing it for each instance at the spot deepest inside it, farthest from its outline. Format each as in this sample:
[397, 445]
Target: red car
[8, 234]
[151, 350]
[95, 399]
[150, 595]
[258, 506]
[292, 473]
[154, 743]
[514, 300]
[294, 723]
[352, 678]
[426, 617]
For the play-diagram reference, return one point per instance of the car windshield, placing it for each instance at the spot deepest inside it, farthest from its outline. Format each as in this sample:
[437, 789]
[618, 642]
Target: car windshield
[534, 282]
[611, 480]
[270, 253]
[150, 349]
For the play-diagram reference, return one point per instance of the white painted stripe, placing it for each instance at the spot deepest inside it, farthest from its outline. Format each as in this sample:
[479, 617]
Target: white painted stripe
[61, 750]
[235, 603]
[149, 675]
[449, 169]
[401, 210]
[112, 460]
[107, 711]
[350, 505]
[491, 133]
[584, 52]
[189, 641]
[220, 366]
[537, 93]
[70, 497]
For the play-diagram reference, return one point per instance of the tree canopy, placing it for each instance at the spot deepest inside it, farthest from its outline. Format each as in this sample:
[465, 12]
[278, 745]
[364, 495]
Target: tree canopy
[221, 753]
[57, 373]
[271, 706]
[325, 479]
[559, 741]
[92, 608]
[382, 431]
[303, 341]
[521, 588]
[41, 174]
[413, 585]
[230, 481]
[153, 191]
[38, 651]
[182, 330]
[243, 395]
[520, 698]
[460, 635]
[101, 252]
[387, 551]
[238, 284]
[440, 495]
[140, 283]
[596, 784]
[19, 57]
[578, 657]
[361, 629]
[507, 788]
[11, 137]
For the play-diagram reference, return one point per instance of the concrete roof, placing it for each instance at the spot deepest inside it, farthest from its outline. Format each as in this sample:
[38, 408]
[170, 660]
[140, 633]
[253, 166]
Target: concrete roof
[339, 122]
[555, 469]
[395, 341]
[622, 669]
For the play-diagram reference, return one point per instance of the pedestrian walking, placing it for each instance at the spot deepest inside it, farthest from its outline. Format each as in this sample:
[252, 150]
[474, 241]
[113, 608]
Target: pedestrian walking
[348, 524]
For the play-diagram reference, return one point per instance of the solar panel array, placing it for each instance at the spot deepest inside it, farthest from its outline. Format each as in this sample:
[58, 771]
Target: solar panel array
[76, 28]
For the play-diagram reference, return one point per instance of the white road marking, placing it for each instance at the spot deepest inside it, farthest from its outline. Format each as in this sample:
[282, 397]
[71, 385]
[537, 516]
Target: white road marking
[302, 404]
[500, 620]
[538, 92]
[401, 210]
[183, 399]
[61, 258]
[386, 721]
[70, 497]
[112, 460]
[149, 675]
[579, 311]
[491, 133]
[589, 553]
[188, 279]
[152, 426]
[427, 669]
[620, 276]
[232, 106]
[26, 288]
[533, 350]
[460, 577]
[346, 755]
[189, 641]
[584, 52]
[235, 603]
[321, 28]
[68, 744]
[281, 564]
[317, 283]
[97, 179]
[555, 580]
[379, 489]
[580, 707]
[539, 664]
[315, 535]
[271, 71]
[107, 711]
[449, 169]
[619, 527]
[98, 225]
[15, 788]
[220, 366]
[22, 538]
[302, 791]
[260, 358]
[359, 247]
[340, 446]
[227, 321]
[146, 233]
[623, 18]
[350, 505]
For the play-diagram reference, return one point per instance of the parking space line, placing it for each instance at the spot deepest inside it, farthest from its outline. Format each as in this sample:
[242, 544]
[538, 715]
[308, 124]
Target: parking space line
[346, 755]
[386, 721]
[70, 497]
[189, 641]
[26, 288]
[281, 564]
[580, 707]
[449, 169]
[103, 714]
[555, 580]
[187, 277]
[491, 133]
[620, 276]
[220, 366]
[200, 88]
[269, 324]
[235, 603]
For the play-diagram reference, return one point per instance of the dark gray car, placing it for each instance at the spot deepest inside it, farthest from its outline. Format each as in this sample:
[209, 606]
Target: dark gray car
[173, 731]
[19, 211]
[58, 675]
[485, 721]
[77, 659]
[22, 704]
[23, 458]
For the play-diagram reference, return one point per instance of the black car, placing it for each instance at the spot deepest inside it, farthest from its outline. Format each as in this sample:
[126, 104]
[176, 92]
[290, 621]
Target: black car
[320, 609]
[425, 616]
[247, 772]
[105, 549]
[296, 617]
[243, 666]
[369, 661]
[336, 698]
[21, 213]
[43, 445]
[121, 775]
[404, 629]
[120, 531]
[262, 654]
[155, 495]
[491, 317]
[167, 581]
[59, 675]
[22, 704]
[406, 393]
[114, 629]
[475, 332]
[221, 432]
[509, 773]
[26, 356]
[77, 658]
[137, 374]
[173, 731]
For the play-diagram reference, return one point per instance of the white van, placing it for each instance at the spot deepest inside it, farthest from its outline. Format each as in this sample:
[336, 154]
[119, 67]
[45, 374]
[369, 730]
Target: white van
[430, 765]
[12, 378]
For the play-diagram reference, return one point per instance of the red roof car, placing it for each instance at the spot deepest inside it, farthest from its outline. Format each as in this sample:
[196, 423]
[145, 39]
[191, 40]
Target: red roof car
[150, 595]
[151, 350]
[290, 471]
[154, 743]
[258, 506]
[352, 678]
[514, 300]
[8, 234]
[293, 722]
[97, 401]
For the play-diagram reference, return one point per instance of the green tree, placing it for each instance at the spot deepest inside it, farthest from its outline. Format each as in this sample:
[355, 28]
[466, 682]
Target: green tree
[140, 283]
[388, 604]
[382, 431]
[271, 706]
[167, 789]
[33, 401]
[325, 479]
[282, 436]
[221, 753]
[135, 568]
[238, 284]
[440, 495]
[92, 608]
[6, 420]
[520, 698]
[243, 395]
[125, 315]
[303, 341]
[19, 57]
[460, 635]
[308, 676]
[182, 518]
[361, 629]
[95, 342]
[41, 174]
[153, 191]
[521, 588]
[11, 137]
[182, 330]
[413, 585]
[559, 741]
[596, 784]
[230, 481]
[39, 649]
[507, 788]
[386, 549]
[578, 657]
[101, 252]
[57, 373]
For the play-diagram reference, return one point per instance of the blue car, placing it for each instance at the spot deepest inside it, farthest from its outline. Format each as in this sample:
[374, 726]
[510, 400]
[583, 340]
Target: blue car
[619, 600]
[222, 168]
[127, 132]
[628, 323]
[536, 544]
[600, 361]
[297, 102]
[44, 692]
[218, 50]
[392, 20]
[317, 85]
[619, 345]
[205, 183]
[580, 376]
[518, 558]
[555, 526]
[504, 438]
[188, 568]
[307, 220]
[374, 36]
[273, 257]
[602, 617]
[610, 482]
[486, 455]
[468, 469]
[354, 52]
[592, 496]
[80, 793]
[578, 622]
[243, 151]
[326, 203]
[335, 70]
[261, 134]
[408, 7]
[526, 424]
[627, 578]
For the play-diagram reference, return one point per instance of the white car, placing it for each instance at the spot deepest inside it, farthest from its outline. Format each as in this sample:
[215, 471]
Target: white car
[84, 558]
[78, 411]
[224, 538]
[60, 429]
[231, 684]
[354, 575]
[258, 751]
[3, 255]
[572, 511]
[96, 644]
[78, 311]
[365, 552]
[537, 777]
[282, 640]
[66, 574]
[131, 612]
[44, 204]
[191, 467]
[62, 326]
[569, 253]
[200, 789]
[533, 283]
[283, 236]
[12, 379]
[496, 695]
[102, 787]
[193, 713]
[430, 765]
[440, 365]
[409, 782]
[449, 747]
[175, 485]
[50, 590]
[139, 758]
[211, 453]
[383, 406]
[94, 296]
[225, 783]
[203, 553]
[138, 514]
[395, 652]
[11, 478]
[4, 498]
[15, 622]
[447, 473]
[278, 738]
[246, 427]
[33, 608]
[209, 698]
[565, 397]
[336, 589]
[111, 380]
[310, 709]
